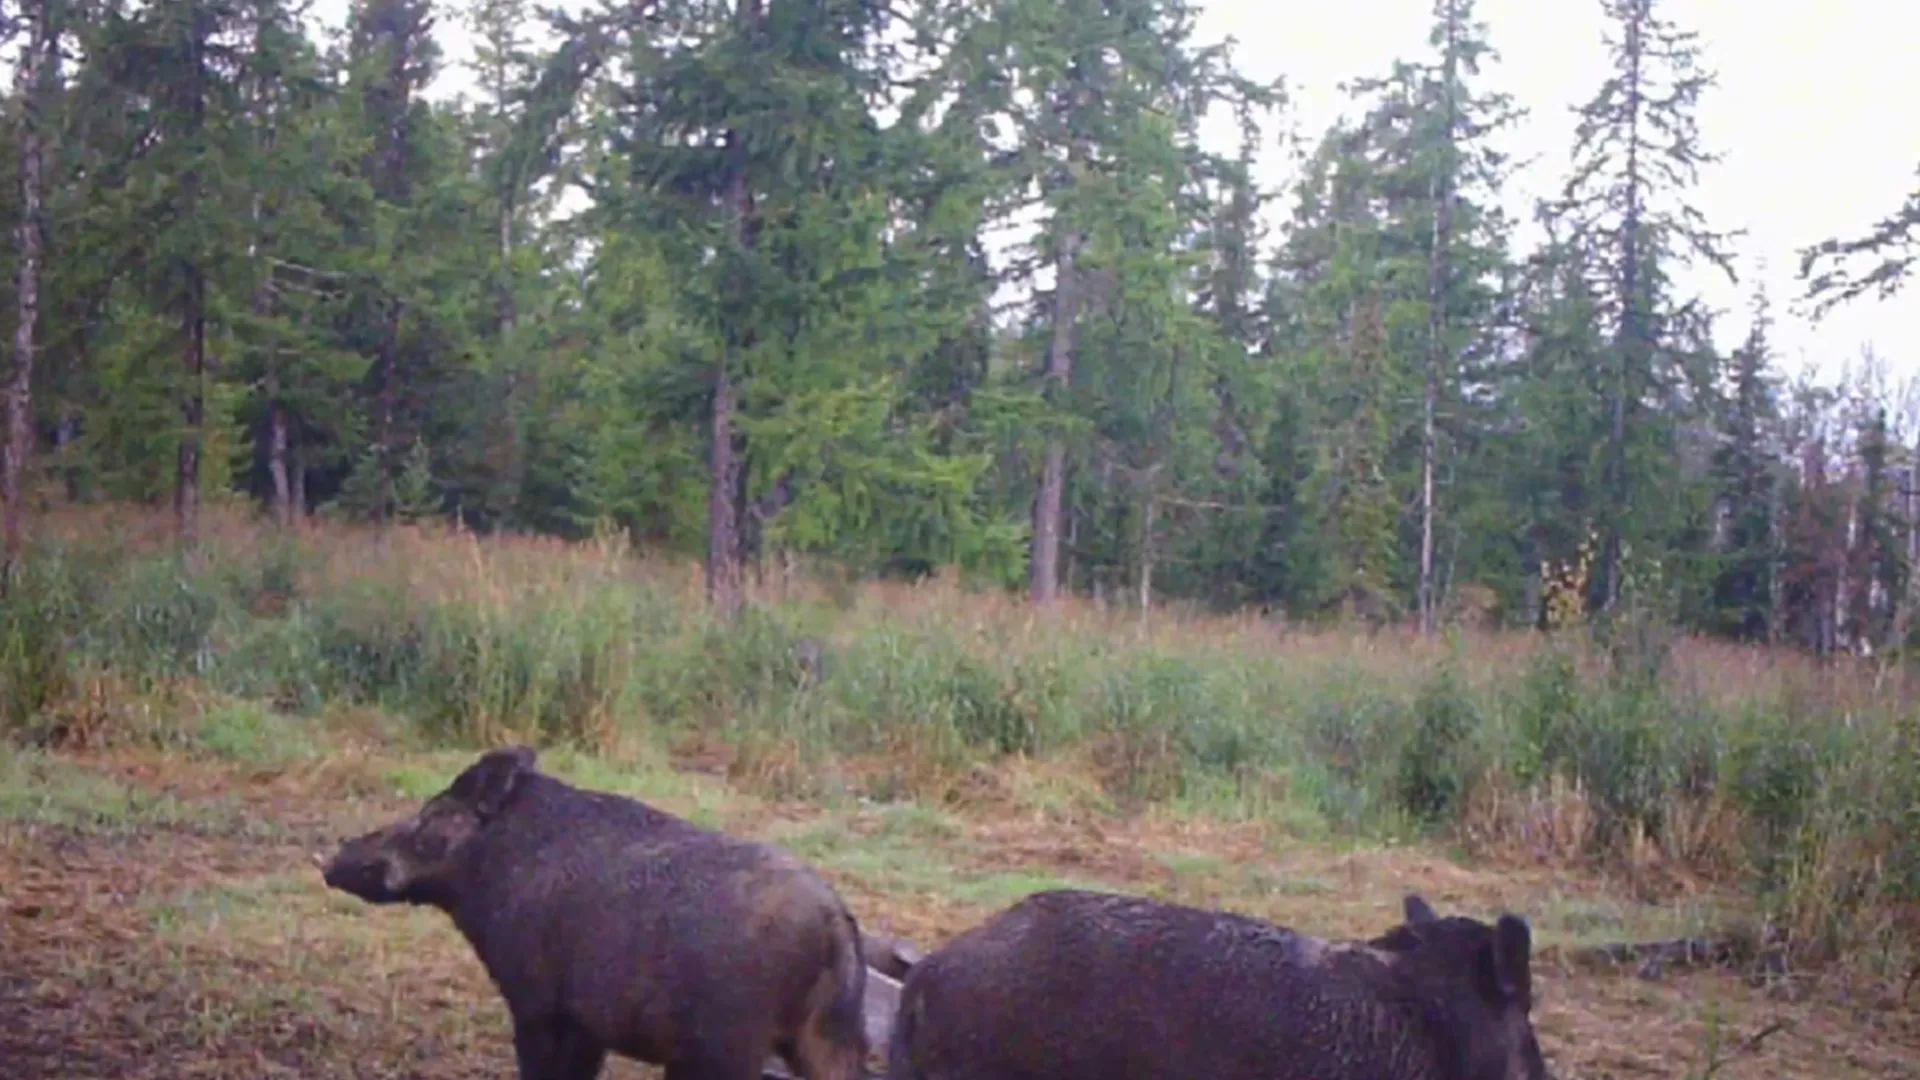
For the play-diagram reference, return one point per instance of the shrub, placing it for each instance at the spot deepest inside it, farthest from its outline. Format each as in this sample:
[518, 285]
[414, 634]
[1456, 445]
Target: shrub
[1803, 780]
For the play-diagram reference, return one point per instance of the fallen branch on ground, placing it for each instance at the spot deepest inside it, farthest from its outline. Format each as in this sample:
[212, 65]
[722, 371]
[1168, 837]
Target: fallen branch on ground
[1655, 958]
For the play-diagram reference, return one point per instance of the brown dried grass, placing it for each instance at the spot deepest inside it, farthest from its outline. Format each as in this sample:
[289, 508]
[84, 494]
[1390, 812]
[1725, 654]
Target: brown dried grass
[203, 952]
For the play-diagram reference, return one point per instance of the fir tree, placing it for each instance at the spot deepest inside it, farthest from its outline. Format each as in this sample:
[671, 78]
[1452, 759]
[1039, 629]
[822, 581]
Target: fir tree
[1637, 153]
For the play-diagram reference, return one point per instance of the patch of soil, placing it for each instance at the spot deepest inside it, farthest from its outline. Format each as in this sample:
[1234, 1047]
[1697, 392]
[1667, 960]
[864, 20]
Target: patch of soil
[209, 949]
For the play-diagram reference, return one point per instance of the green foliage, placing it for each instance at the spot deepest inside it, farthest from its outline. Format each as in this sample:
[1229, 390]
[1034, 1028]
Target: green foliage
[471, 642]
[511, 309]
[413, 495]
[43, 606]
[514, 311]
[1434, 770]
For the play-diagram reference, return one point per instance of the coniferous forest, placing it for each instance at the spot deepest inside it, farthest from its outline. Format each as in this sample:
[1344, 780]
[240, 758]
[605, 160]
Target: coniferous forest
[726, 276]
[910, 433]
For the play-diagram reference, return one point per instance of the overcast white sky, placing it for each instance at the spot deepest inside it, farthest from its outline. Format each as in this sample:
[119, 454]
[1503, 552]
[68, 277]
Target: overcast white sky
[1813, 113]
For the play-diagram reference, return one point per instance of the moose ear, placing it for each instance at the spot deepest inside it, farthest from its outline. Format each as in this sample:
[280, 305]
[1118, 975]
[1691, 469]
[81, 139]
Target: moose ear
[490, 783]
[1418, 910]
[1513, 958]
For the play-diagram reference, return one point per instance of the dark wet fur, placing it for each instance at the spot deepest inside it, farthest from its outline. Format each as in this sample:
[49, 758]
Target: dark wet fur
[1075, 985]
[611, 926]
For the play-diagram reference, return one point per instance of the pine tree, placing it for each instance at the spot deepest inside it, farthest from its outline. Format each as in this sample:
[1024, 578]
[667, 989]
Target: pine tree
[507, 71]
[391, 57]
[1637, 152]
[178, 73]
[781, 325]
[1877, 550]
[1225, 547]
[757, 163]
[1100, 141]
[1746, 487]
[1430, 130]
[1547, 431]
[296, 163]
[1343, 271]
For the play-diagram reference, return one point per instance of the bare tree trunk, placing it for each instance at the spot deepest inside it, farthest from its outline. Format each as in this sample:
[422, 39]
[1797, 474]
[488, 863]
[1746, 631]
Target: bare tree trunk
[64, 434]
[1903, 605]
[386, 406]
[186, 489]
[723, 525]
[1910, 509]
[1146, 552]
[1044, 573]
[1851, 591]
[19, 388]
[1535, 590]
[515, 470]
[1776, 549]
[297, 482]
[508, 314]
[277, 465]
[723, 569]
[1071, 565]
[1428, 449]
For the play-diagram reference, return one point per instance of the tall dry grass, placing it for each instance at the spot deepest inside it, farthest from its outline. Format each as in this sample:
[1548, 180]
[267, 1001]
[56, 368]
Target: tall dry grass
[1690, 760]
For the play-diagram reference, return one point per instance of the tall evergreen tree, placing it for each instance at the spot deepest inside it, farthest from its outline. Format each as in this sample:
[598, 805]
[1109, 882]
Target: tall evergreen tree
[1433, 134]
[1095, 93]
[179, 71]
[756, 158]
[297, 161]
[1746, 480]
[1637, 153]
[391, 57]
[505, 67]
[781, 324]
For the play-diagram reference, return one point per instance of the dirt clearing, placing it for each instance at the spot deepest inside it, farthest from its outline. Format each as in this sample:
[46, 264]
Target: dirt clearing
[162, 918]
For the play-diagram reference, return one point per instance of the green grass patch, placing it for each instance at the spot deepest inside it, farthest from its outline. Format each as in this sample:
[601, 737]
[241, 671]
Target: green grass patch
[1806, 782]
[911, 851]
[253, 734]
[37, 788]
[216, 907]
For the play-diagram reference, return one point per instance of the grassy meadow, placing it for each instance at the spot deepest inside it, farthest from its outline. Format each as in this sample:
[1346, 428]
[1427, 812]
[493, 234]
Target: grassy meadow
[181, 737]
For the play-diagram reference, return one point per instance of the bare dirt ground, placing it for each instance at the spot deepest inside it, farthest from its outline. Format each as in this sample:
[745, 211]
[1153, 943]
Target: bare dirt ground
[160, 916]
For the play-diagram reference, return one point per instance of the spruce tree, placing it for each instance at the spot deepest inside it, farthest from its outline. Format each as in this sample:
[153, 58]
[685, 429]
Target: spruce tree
[1636, 156]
